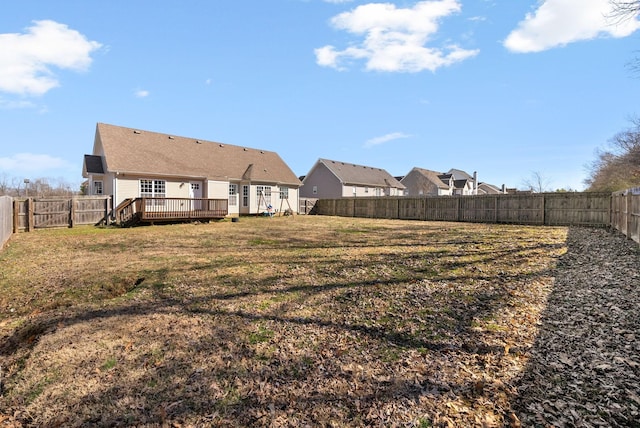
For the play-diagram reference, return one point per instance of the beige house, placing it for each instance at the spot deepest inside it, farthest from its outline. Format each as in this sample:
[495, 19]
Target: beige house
[424, 182]
[132, 163]
[335, 179]
[490, 189]
[420, 181]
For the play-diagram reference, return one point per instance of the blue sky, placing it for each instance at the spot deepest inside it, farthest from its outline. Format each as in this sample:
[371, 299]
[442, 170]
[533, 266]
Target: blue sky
[505, 88]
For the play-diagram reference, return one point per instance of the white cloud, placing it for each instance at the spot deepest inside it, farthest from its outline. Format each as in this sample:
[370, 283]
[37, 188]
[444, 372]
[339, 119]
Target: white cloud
[385, 139]
[26, 59]
[337, 1]
[395, 39]
[6, 104]
[141, 93]
[32, 163]
[560, 22]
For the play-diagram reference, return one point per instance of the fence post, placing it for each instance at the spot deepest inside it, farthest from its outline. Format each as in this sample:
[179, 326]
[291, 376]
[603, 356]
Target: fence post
[629, 210]
[544, 209]
[72, 211]
[16, 215]
[30, 217]
[107, 202]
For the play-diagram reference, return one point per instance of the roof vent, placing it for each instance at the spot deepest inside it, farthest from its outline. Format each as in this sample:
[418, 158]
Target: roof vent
[245, 149]
[198, 142]
[221, 145]
[137, 132]
[171, 137]
[261, 152]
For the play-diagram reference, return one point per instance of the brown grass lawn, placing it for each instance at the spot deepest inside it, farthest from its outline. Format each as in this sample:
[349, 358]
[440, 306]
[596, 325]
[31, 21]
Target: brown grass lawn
[317, 321]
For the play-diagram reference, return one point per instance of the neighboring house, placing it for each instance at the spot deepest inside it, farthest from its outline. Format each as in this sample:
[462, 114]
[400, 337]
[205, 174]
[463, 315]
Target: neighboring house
[464, 183]
[334, 179]
[424, 182]
[131, 163]
[420, 181]
[489, 189]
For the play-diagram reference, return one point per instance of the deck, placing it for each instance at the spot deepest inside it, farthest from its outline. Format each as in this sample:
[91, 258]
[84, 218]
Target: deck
[156, 210]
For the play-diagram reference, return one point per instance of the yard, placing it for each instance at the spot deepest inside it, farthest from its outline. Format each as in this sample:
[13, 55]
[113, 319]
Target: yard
[320, 321]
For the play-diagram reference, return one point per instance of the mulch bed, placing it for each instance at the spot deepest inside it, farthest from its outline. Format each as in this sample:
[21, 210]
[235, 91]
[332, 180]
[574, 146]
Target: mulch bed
[585, 366]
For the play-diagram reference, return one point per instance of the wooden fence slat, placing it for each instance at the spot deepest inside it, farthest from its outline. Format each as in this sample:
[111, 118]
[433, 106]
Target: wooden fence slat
[558, 209]
[67, 212]
[6, 219]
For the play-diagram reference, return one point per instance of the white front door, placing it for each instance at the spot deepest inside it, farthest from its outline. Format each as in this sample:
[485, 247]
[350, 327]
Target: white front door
[195, 192]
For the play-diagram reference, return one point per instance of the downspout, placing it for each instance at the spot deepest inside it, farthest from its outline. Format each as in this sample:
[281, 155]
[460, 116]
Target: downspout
[114, 202]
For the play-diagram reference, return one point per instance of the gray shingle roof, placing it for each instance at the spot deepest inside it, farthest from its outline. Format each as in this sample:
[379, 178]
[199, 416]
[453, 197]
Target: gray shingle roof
[93, 164]
[352, 174]
[128, 150]
[435, 177]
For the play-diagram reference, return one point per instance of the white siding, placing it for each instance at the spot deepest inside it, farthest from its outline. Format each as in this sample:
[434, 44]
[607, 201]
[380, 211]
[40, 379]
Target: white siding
[217, 189]
[126, 188]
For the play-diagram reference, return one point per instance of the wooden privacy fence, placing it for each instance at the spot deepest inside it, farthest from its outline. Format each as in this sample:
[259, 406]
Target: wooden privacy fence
[6, 219]
[625, 212]
[561, 209]
[29, 214]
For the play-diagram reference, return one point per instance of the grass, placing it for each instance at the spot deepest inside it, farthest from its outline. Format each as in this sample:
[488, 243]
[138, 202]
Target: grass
[308, 320]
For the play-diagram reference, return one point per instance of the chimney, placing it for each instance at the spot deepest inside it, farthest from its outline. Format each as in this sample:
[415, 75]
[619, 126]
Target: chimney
[504, 188]
[475, 182]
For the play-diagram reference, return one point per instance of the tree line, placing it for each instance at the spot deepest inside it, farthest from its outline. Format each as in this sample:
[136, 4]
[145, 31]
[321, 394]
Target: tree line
[36, 188]
[618, 166]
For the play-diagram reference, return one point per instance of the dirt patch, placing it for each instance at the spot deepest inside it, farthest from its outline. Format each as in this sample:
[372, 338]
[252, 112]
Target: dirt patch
[315, 321]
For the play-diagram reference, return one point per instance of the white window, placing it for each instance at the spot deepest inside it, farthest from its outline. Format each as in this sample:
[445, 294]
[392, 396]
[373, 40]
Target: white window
[284, 193]
[153, 189]
[233, 194]
[97, 187]
[245, 196]
[263, 193]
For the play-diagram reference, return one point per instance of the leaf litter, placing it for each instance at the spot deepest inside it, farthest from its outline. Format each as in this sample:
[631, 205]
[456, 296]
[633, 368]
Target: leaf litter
[320, 321]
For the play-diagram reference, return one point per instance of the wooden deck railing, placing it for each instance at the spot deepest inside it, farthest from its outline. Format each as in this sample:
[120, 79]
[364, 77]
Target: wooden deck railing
[170, 209]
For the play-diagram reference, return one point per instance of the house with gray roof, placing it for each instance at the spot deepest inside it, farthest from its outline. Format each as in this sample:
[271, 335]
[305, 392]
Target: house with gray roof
[132, 163]
[420, 181]
[490, 189]
[336, 179]
[424, 182]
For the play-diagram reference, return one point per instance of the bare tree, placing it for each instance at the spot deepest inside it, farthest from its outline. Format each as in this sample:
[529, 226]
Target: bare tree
[4, 185]
[618, 167]
[624, 9]
[537, 183]
[35, 188]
